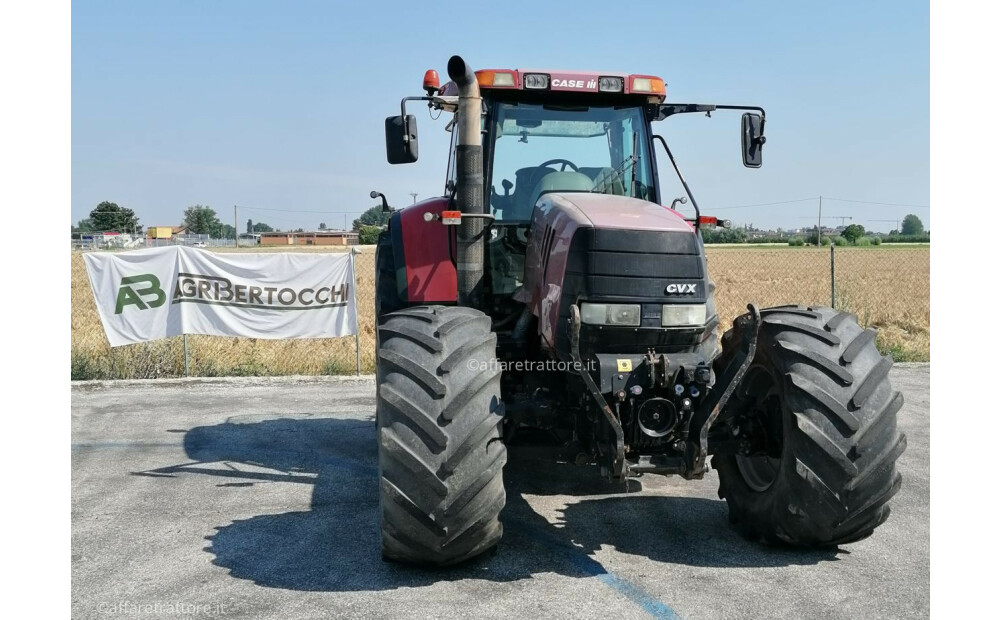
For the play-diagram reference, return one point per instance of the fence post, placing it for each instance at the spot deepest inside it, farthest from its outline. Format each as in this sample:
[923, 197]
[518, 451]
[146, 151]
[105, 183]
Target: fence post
[833, 280]
[185, 337]
[357, 330]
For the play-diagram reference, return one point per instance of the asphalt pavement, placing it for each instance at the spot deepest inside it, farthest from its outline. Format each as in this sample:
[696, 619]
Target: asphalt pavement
[258, 498]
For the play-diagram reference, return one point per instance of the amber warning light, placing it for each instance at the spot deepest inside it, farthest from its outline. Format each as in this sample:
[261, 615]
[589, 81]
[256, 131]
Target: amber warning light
[432, 83]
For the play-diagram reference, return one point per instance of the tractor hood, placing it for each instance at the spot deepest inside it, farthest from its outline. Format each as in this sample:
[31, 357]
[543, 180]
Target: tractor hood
[607, 248]
[617, 212]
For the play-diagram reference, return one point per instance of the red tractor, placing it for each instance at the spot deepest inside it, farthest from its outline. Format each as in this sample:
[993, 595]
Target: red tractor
[548, 297]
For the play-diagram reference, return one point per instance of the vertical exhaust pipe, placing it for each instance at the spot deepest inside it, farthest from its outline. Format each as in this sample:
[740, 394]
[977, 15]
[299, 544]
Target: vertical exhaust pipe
[469, 177]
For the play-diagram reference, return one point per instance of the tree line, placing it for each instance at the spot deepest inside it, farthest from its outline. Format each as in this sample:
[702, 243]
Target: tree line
[911, 230]
[203, 220]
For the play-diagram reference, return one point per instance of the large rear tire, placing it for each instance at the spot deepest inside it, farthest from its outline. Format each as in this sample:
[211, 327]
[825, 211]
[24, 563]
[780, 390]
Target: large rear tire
[820, 390]
[440, 455]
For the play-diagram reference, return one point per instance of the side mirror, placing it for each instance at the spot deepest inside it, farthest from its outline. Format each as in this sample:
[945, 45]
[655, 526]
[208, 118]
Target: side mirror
[401, 139]
[753, 139]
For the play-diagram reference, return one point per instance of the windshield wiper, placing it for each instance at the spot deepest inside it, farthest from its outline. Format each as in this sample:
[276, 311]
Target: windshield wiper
[617, 173]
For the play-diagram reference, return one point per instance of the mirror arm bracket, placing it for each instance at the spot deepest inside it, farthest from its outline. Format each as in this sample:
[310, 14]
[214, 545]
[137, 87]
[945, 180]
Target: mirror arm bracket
[694, 203]
[669, 109]
[402, 109]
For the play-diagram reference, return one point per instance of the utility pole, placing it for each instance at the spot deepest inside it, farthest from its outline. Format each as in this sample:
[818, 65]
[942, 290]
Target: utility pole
[236, 227]
[819, 224]
[414, 194]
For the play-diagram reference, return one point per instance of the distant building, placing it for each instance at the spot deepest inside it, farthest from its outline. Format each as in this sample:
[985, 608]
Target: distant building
[320, 237]
[250, 239]
[165, 232]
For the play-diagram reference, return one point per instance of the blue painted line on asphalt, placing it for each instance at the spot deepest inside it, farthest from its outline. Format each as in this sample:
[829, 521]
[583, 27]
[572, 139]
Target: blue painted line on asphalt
[588, 565]
[631, 591]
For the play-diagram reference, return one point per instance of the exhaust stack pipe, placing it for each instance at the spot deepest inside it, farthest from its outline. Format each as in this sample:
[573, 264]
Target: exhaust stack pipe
[469, 177]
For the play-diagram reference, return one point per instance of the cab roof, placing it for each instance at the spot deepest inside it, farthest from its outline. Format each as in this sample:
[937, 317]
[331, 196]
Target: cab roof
[583, 82]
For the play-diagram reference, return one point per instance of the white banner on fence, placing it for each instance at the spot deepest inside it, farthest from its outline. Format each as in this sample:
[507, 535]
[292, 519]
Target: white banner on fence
[150, 294]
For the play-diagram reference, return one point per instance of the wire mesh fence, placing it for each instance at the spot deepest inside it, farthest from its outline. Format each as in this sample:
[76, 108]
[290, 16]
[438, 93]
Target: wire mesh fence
[887, 287]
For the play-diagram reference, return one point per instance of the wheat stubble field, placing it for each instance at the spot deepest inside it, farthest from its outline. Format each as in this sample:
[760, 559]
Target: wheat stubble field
[887, 287]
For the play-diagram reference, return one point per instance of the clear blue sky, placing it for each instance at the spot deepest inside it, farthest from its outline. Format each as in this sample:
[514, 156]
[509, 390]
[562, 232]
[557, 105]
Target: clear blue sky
[281, 105]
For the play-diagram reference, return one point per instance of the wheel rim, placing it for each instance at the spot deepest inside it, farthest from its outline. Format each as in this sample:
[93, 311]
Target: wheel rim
[761, 398]
[759, 472]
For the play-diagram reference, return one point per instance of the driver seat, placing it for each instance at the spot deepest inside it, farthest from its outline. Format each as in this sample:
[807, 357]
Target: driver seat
[554, 181]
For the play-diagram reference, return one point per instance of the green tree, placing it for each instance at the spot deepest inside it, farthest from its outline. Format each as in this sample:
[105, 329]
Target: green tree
[912, 225]
[109, 216]
[368, 235]
[202, 220]
[84, 225]
[227, 231]
[374, 216]
[853, 232]
[260, 227]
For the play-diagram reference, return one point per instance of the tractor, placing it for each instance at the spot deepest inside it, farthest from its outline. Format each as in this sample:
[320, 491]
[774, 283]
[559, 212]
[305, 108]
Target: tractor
[549, 297]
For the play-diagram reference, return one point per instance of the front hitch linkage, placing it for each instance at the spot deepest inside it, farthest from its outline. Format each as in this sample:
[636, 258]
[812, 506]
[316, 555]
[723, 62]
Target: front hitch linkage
[697, 453]
[617, 469]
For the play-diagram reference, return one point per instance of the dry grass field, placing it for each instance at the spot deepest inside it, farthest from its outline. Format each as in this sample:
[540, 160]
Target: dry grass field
[887, 287]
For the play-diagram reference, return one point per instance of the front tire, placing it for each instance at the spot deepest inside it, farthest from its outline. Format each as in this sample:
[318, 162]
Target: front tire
[820, 392]
[440, 455]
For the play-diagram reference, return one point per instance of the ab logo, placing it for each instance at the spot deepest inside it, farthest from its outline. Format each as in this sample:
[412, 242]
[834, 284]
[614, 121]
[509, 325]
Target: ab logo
[134, 296]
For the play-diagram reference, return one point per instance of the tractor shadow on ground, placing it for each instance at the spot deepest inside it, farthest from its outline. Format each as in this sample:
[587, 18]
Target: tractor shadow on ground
[334, 546]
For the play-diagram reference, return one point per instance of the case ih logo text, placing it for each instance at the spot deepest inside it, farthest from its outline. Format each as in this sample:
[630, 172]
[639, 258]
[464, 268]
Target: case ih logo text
[559, 83]
[129, 295]
[680, 289]
[201, 289]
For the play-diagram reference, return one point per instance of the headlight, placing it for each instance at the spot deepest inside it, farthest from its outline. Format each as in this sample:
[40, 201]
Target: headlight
[684, 316]
[610, 84]
[611, 314]
[536, 81]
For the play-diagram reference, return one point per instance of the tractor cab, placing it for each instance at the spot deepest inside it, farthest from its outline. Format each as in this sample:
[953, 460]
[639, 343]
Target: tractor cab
[563, 132]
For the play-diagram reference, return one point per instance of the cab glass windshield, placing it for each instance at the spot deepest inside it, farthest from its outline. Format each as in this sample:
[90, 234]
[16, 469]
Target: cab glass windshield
[539, 149]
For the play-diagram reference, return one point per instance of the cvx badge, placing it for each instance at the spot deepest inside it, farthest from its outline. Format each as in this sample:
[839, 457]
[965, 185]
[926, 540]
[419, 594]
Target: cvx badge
[681, 289]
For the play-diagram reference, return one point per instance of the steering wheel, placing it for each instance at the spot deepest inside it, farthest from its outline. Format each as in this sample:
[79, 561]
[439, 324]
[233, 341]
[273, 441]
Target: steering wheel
[564, 162]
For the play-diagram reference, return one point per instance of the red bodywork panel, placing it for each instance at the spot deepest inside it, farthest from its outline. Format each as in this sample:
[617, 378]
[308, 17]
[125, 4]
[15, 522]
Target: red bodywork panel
[430, 274]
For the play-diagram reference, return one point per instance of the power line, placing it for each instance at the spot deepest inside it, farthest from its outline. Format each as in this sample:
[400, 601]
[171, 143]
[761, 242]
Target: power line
[762, 204]
[784, 202]
[887, 204]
